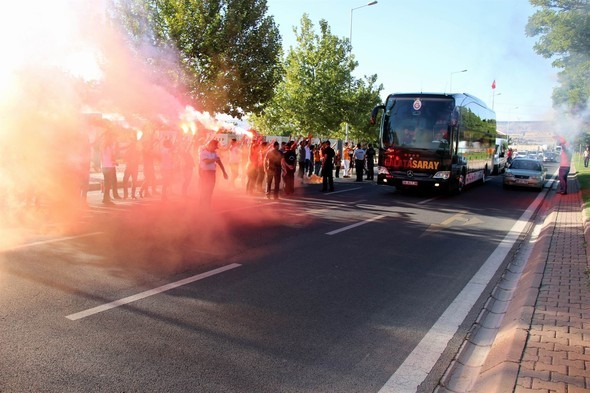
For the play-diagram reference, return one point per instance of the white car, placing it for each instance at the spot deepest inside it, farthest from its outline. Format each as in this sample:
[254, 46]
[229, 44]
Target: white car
[525, 172]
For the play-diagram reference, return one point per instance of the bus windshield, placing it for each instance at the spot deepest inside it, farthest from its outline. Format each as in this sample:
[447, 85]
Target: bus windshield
[417, 122]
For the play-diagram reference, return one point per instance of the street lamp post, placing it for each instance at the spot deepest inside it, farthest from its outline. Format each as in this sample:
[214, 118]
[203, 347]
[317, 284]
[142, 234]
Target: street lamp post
[350, 40]
[493, 96]
[351, 10]
[509, 121]
[451, 82]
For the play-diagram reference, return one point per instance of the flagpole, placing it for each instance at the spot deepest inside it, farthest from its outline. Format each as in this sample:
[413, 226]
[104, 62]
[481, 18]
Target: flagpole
[493, 95]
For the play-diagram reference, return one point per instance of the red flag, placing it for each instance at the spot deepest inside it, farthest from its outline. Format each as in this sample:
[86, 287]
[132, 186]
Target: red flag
[494, 84]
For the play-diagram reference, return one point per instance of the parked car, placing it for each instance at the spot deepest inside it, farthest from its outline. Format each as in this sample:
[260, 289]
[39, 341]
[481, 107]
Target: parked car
[525, 172]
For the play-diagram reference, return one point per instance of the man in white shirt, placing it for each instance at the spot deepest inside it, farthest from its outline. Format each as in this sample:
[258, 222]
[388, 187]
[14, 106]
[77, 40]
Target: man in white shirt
[359, 162]
[207, 165]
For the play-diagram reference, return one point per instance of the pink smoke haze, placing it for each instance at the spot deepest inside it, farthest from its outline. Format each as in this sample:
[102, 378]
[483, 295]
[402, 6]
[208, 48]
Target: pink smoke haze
[63, 60]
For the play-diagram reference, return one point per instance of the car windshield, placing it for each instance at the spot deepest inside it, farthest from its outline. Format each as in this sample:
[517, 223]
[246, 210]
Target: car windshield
[522, 164]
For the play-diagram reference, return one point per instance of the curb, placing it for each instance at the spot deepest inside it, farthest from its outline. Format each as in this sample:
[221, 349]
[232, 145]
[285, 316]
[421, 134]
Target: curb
[488, 360]
[499, 372]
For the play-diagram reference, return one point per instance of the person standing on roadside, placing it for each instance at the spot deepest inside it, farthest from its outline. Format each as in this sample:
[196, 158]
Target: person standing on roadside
[370, 159]
[564, 165]
[359, 161]
[328, 155]
[167, 166]
[149, 168]
[288, 163]
[308, 158]
[235, 157]
[109, 167]
[252, 166]
[317, 159]
[131, 169]
[346, 160]
[586, 156]
[337, 164]
[261, 168]
[207, 168]
[301, 158]
[273, 167]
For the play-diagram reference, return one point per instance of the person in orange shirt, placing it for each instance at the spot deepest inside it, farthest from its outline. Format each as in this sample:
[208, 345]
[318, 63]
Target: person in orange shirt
[346, 159]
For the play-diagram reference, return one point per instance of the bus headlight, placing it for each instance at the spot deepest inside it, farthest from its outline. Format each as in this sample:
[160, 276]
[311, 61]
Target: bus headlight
[381, 170]
[444, 175]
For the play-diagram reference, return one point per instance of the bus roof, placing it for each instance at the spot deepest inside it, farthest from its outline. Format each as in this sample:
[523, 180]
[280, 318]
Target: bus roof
[459, 97]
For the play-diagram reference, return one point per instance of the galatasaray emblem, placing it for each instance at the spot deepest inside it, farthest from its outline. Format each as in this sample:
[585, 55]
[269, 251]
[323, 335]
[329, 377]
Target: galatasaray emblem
[417, 104]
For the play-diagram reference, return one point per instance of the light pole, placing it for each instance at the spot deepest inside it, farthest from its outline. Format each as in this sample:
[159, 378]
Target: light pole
[510, 120]
[351, 10]
[350, 40]
[451, 82]
[493, 96]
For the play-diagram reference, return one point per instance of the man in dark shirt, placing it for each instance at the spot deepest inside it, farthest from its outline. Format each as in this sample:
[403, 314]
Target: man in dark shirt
[328, 167]
[564, 165]
[370, 160]
[289, 163]
[273, 167]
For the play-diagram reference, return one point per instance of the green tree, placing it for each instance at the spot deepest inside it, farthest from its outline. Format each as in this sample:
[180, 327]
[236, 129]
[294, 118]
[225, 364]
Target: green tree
[564, 30]
[363, 98]
[318, 92]
[229, 50]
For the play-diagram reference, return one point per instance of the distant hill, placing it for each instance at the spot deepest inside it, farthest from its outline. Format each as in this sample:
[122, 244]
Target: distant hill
[528, 132]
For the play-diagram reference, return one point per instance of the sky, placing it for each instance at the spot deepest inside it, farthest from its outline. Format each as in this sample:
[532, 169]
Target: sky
[422, 46]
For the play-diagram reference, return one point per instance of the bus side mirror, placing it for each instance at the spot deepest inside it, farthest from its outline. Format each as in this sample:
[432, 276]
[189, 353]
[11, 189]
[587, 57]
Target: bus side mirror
[374, 113]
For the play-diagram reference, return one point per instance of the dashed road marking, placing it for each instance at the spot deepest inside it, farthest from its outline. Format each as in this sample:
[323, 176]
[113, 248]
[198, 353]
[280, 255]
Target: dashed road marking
[346, 228]
[55, 240]
[151, 292]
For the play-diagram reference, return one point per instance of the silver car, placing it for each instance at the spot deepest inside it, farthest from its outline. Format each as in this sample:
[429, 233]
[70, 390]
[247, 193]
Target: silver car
[525, 172]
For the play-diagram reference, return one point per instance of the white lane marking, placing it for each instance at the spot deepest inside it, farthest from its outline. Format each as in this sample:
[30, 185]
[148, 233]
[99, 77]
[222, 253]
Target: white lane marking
[249, 207]
[341, 191]
[56, 240]
[427, 200]
[151, 292]
[356, 225]
[419, 363]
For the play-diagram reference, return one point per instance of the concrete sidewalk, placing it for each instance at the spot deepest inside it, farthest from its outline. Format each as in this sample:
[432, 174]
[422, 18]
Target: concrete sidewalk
[534, 335]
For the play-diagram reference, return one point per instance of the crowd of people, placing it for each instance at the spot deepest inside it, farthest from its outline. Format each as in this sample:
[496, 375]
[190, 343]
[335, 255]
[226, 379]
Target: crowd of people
[256, 165]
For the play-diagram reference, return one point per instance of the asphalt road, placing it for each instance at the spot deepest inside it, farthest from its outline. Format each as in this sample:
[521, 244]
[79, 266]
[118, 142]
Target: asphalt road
[360, 290]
